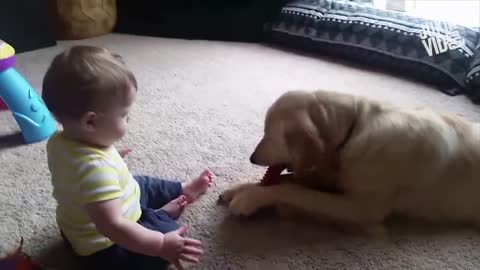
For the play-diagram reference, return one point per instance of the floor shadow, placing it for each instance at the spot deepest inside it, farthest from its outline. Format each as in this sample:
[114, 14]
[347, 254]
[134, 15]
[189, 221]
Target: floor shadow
[58, 256]
[11, 140]
[268, 234]
[402, 226]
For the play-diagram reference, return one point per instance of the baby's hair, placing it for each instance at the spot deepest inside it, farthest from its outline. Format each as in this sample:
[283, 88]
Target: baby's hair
[83, 78]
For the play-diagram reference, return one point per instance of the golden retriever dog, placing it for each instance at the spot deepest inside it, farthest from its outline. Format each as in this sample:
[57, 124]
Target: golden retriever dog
[357, 161]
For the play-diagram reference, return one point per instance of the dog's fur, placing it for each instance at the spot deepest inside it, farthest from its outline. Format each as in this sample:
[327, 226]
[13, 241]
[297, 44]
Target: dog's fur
[375, 159]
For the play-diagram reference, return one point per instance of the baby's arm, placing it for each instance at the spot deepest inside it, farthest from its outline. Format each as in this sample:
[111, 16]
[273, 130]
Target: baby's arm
[107, 217]
[172, 246]
[124, 151]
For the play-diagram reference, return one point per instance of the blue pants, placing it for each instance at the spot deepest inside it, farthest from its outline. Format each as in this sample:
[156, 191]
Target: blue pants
[155, 193]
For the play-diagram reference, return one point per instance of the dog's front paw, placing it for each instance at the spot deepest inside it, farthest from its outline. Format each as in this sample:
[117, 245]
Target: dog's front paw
[228, 195]
[249, 201]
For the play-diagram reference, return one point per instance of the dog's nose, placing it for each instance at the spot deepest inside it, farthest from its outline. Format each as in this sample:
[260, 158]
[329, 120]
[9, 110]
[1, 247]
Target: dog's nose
[252, 158]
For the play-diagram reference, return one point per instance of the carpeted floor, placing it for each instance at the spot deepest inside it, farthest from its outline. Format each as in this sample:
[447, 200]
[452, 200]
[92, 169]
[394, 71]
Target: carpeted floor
[201, 104]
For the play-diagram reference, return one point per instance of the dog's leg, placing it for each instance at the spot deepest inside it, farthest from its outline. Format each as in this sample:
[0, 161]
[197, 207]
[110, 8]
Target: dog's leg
[228, 194]
[357, 210]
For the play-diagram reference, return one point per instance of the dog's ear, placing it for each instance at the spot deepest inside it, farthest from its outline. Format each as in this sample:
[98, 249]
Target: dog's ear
[309, 151]
[320, 132]
[334, 115]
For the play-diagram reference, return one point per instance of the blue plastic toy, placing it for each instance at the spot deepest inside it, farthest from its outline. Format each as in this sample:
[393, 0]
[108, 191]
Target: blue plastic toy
[27, 107]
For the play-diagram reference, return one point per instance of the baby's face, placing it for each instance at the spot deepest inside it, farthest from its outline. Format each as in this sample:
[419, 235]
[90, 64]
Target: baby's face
[112, 123]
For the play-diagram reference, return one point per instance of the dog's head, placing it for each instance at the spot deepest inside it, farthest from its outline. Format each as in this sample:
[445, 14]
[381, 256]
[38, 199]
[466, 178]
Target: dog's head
[303, 131]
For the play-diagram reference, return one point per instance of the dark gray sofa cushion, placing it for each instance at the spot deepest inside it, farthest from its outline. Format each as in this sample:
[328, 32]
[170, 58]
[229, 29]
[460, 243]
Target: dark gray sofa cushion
[473, 75]
[437, 52]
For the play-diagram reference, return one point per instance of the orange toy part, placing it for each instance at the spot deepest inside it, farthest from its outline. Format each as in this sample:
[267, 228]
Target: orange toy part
[18, 260]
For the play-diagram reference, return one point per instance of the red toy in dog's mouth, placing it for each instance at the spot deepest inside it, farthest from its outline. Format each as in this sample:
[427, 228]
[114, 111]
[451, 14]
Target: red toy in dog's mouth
[272, 174]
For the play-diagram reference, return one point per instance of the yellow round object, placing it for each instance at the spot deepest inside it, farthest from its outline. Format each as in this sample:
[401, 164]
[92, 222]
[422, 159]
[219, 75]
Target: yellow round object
[6, 50]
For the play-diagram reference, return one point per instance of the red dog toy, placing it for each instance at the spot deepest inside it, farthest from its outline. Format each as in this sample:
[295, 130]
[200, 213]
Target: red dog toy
[272, 174]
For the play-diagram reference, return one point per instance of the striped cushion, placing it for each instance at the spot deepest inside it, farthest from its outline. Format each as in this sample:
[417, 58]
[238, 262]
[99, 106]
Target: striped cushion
[437, 52]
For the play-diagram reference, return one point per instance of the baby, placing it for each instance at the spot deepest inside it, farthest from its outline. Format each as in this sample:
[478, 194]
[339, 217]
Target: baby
[111, 219]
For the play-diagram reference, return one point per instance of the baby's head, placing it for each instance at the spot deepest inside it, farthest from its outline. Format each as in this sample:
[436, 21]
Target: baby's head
[89, 90]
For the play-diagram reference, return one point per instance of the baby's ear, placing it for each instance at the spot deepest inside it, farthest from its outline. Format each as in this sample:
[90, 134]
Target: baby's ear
[89, 121]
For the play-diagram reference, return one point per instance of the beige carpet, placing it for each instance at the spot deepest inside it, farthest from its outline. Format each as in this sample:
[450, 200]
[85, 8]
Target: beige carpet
[202, 104]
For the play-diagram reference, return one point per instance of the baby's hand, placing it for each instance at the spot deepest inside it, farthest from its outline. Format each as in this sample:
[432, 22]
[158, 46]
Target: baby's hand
[178, 248]
[124, 151]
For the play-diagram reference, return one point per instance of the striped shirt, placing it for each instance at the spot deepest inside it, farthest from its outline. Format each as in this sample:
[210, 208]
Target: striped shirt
[80, 175]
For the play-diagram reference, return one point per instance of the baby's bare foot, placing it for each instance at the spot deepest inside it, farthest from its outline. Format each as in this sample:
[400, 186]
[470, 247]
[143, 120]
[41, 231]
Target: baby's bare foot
[175, 207]
[197, 186]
